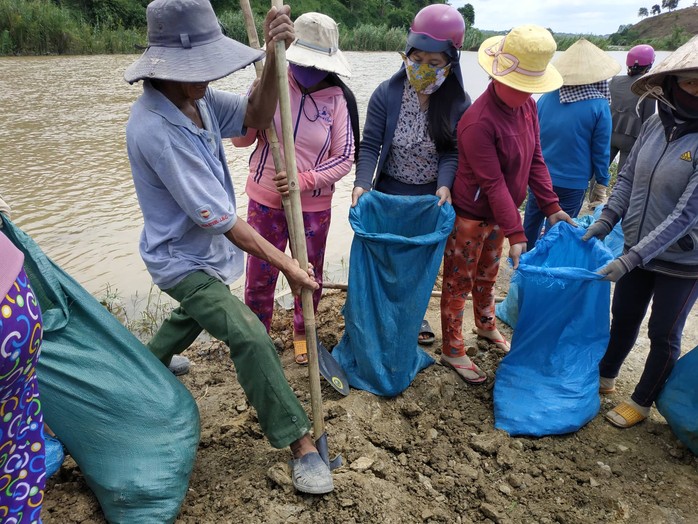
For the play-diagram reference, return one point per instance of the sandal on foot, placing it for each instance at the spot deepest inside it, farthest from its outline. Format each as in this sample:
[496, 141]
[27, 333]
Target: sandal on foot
[479, 375]
[607, 385]
[300, 352]
[624, 416]
[501, 343]
[311, 475]
[426, 334]
[179, 365]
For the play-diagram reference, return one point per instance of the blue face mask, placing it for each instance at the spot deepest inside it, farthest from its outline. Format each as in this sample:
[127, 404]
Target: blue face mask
[307, 76]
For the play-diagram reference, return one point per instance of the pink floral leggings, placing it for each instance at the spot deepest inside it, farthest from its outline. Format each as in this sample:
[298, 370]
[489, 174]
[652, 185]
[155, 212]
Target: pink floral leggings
[261, 277]
[471, 263]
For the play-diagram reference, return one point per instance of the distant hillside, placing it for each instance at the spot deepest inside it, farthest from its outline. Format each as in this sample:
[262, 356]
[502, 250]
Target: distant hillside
[664, 31]
[661, 26]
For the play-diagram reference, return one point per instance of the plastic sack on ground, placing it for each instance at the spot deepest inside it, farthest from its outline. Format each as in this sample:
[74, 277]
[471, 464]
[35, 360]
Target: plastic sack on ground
[128, 423]
[678, 401]
[508, 310]
[548, 384]
[395, 257]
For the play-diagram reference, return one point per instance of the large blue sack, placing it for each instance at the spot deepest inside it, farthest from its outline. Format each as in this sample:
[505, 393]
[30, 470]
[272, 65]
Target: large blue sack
[508, 310]
[678, 401]
[549, 382]
[129, 424]
[395, 257]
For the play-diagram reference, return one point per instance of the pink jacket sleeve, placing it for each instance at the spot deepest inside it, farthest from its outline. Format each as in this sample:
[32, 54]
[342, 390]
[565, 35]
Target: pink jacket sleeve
[341, 153]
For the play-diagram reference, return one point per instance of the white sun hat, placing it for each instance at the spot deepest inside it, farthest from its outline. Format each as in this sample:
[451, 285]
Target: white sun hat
[317, 45]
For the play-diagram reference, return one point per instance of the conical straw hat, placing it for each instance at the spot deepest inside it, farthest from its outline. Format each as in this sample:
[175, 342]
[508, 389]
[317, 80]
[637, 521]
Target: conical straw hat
[584, 63]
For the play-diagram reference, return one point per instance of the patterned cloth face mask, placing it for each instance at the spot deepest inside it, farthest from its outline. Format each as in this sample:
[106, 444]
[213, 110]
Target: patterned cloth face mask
[425, 78]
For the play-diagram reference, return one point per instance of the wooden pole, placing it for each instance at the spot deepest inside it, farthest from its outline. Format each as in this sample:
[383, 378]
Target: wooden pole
[345, 287]
[298, 237]
[271, 131]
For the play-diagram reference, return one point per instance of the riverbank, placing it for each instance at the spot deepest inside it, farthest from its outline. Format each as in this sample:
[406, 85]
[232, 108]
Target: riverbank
[44, 27]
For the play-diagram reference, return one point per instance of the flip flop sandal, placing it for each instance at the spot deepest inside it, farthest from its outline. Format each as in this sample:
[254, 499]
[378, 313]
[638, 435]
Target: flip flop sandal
[460, 368]
[300, 352]
[624, 416]
[606, 391]
[501, 343]
[427, 333]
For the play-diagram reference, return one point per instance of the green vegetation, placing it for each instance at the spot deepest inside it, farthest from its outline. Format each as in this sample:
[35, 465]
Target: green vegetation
[144, 316]
[628, 36]
[37, 27]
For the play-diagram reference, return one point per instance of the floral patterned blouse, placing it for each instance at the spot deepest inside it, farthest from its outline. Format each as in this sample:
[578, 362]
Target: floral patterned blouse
[412, 158]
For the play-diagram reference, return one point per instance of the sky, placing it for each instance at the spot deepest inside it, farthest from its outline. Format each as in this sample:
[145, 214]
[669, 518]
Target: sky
[597, 17]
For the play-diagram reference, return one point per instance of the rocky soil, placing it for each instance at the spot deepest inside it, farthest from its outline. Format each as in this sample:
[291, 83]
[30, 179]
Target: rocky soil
[429, 455]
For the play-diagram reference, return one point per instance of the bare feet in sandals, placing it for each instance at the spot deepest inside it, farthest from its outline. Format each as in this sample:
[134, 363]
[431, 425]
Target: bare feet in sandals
[627, 414]
[300, 350]
[466, 369]
[494, 337]
[426, 334]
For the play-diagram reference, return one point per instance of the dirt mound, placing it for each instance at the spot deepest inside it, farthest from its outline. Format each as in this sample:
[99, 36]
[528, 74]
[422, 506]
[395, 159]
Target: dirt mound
[429, 455]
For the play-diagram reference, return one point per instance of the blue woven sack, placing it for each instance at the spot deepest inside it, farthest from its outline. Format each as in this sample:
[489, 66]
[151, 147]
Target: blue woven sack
[548, 384]
[508, 310]
[395, 257]
[678, 401]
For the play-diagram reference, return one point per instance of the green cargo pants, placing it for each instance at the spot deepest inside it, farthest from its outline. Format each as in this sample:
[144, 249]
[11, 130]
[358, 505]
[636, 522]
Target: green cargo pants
[207, 303]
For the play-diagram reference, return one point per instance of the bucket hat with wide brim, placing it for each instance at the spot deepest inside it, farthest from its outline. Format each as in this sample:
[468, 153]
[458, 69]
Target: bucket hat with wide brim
[186, 44]
[317, 44]
[521, 59]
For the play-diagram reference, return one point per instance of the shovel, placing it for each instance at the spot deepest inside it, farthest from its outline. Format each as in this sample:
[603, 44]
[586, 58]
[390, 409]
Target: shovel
[294, 218]
[330, 369]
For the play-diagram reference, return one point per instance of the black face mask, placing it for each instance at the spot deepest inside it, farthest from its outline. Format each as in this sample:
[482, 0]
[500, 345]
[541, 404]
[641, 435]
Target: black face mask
[685, 104]
[684, 118]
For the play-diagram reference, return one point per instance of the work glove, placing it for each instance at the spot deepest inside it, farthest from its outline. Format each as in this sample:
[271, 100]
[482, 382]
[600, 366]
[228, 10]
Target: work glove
[615, 269]
[600, 229]
[598, 196]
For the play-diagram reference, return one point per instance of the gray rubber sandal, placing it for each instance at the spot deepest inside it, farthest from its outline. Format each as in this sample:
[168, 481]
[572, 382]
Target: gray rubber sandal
[428, 334]
[311, 475]
[179, 365]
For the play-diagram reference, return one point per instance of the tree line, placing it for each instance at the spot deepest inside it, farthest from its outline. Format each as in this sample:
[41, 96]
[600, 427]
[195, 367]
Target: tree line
[656, 9]
[35, 27]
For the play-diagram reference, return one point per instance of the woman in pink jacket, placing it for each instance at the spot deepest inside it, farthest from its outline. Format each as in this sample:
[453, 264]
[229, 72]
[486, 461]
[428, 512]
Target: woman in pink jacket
[325, 128]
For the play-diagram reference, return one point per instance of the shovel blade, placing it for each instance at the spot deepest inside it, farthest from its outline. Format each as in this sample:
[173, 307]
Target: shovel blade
[322, 448]
[331, 370]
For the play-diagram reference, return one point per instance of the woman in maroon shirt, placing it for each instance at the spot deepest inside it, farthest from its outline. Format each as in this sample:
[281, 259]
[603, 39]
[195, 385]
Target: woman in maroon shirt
[499, 157]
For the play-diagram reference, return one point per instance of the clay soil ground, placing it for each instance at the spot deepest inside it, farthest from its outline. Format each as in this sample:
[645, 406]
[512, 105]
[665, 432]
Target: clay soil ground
[429, 455]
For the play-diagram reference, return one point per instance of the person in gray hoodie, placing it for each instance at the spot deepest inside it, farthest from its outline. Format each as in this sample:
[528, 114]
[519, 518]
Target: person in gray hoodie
[657, 197]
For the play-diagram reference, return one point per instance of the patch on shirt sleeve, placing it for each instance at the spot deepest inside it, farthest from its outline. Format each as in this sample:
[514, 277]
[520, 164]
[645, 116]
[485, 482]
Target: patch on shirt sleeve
[204, 213]
[208, 219]
[686, 156]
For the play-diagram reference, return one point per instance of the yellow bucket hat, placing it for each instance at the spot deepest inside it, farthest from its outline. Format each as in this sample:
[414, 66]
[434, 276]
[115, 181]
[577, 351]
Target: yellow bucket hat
[521, 59]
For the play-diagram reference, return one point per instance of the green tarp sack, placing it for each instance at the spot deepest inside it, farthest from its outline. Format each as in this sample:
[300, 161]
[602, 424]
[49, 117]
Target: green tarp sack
[128, 423]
